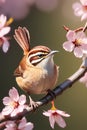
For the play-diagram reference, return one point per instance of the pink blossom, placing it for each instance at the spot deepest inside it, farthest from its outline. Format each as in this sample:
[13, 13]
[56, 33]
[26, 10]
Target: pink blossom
[4, 43]
[84, 79]
[77, 42]
[10, 125]
[55, 116]
[4, 29]
[14, 104]
[23, 125]
[80, 9]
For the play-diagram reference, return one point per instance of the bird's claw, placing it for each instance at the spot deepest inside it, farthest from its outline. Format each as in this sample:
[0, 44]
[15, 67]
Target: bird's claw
[33, 104]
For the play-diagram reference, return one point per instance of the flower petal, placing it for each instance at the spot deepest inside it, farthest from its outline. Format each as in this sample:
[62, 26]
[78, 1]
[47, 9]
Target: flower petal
[71, 35]
[52, 121]
[13, 93]
[84, 2]
[62, 113]
[81, 35]
[78, 52]
[84, 16]
[29, 126]
[22, 123]
[68, 46]
[77, 9]
[7, 100]
[60, 121]
[84, 48]
[4, 31]
[7, 110]
[22, 99]
[5, 46]
[47, 113]
[21, 108]
[3, 20]
[84, 78]
[10, 124]
[14, 112]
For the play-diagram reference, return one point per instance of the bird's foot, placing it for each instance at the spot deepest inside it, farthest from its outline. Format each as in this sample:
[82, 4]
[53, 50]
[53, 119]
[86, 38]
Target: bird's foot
[33, 104]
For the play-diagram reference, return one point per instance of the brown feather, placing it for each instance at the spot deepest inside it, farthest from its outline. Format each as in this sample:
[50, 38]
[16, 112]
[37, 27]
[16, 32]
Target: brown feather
[23, 38]
[21, 68]
[18, 73]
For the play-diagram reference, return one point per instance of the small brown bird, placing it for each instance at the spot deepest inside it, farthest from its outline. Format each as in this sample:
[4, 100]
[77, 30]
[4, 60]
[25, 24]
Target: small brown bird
[36, 72]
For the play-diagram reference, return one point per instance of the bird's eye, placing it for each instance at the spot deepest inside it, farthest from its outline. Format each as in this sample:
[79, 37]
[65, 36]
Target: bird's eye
[41, 55]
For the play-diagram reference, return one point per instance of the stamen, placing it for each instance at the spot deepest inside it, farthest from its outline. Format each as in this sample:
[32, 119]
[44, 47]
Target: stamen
[9, 21]
[14, 104]
[85, 8]
[77, 42]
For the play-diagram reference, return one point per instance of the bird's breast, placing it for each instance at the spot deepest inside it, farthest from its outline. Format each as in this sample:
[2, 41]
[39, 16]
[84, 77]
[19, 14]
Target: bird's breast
[37, 81]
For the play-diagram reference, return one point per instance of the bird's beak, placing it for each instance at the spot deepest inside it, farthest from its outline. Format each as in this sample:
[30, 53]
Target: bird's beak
[52, 52]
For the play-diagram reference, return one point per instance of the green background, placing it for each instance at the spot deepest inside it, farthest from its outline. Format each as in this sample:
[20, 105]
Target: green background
[46, 29]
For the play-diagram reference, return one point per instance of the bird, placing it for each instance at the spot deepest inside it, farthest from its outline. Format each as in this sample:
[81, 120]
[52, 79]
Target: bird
[36, 73]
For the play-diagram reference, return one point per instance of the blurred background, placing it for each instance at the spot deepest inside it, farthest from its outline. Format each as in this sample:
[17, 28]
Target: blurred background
[44, 20]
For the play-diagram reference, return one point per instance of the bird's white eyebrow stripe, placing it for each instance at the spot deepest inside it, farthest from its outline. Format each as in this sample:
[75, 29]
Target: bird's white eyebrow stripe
[36, 61]
[35, 54]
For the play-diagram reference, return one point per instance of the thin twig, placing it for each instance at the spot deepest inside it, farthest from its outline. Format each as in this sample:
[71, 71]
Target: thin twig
[78, 29]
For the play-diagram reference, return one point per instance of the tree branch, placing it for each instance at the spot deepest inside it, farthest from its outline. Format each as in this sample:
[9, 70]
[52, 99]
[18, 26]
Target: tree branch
[49, 97]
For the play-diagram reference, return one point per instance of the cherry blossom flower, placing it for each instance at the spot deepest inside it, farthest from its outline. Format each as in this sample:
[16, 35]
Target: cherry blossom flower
[23, 125]
[77, 42]
[80, 9]
[55, 116]
[84, 79]
[4, 43]
[10, 125]
[14, 104]
[4, 29]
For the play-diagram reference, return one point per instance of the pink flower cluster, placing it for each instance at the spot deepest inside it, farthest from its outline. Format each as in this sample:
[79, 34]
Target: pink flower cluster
[14, 104]
[22, 125]
[80, 9]
[76, 42]
[55, 116]
[4, 29]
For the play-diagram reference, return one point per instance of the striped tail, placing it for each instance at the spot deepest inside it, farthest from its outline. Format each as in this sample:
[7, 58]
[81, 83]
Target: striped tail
[22, 36]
